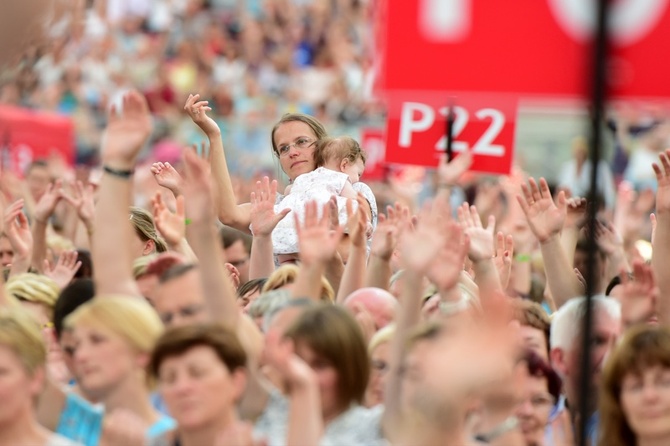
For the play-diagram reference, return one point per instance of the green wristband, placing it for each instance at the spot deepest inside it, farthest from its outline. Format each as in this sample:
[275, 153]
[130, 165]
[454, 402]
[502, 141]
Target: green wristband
[522, 258]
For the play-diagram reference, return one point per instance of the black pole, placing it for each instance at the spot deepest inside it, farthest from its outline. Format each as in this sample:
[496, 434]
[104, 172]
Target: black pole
[598, 97]
[450, 132]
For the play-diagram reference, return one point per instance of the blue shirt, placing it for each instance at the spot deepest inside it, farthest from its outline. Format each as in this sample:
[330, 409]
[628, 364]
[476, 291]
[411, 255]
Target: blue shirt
[81, 421]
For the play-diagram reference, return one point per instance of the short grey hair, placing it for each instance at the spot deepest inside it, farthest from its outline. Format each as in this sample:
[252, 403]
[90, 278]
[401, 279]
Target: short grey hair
[566, 322]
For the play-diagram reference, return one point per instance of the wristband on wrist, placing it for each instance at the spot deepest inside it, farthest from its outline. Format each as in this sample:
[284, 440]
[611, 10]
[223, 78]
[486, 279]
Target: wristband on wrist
[125, 174]
[522, 258]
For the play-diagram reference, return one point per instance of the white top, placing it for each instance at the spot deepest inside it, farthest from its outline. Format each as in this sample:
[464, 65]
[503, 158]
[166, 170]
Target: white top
[318, 185]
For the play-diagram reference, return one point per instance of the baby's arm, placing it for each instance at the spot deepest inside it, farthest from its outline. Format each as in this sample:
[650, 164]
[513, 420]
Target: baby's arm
[288, 189]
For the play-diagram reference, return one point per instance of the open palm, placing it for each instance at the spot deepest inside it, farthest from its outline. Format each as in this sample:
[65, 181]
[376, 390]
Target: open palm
[544, 217]
[127, 130]
[263, 216]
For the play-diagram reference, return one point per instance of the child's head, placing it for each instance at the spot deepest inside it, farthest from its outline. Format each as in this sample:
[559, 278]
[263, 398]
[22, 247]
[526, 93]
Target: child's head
[342, 154]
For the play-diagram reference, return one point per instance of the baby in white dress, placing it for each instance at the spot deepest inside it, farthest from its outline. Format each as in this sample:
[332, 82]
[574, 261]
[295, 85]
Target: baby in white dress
[341, 162]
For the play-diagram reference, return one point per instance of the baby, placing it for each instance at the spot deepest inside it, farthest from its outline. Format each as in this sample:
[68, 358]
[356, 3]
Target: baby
[340, 164]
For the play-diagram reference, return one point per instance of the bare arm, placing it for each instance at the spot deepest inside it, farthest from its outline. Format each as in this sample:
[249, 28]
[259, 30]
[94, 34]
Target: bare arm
[219, 291]
[20, 238]
[229, 212]
[384, 241]
[124, 137]
[318, 245]
[354, 271]
[43, 210]
[661, 239]
[481, 250]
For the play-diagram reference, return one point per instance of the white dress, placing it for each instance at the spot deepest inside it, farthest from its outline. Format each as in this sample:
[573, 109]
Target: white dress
[318, 185]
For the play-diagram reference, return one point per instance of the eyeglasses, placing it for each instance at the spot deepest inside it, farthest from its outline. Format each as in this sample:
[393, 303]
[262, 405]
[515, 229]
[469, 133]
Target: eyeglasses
[188, 311]
[540, 401]
[300, 143]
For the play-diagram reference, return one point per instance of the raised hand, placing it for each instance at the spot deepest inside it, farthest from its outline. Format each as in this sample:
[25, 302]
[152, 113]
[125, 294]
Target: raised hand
[127, 131]
[172, 226]
[316, 241]
[445, 270]
[83, 201]
[608, 238]
[662, 172]
[419, 245]
[197, 111]
[357, 222]
[638, 296]
[167, 176]
[17, 230]
[545, 217]
[46, 205]
[293, 370]
[64, 270]
[263, 216]
[481, 238]
[448, 173]
[503, 258]
[576, 212]
[385, 237]
[197, 188]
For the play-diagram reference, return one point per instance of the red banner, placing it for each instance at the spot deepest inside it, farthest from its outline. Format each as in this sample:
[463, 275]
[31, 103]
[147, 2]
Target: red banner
[26, 136]
[482, 125]
[372, 141]
[529, 47]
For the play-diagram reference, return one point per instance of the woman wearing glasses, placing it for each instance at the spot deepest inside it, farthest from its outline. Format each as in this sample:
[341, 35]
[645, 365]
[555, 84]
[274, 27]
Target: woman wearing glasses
[294, 141]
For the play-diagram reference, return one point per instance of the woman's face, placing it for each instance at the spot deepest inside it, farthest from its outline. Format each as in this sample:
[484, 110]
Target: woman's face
[535, 407]
[645, 401]
[296, 161]
[378, 373]
[326, 376]
[198, 388]
[102, 359]
[17, 387]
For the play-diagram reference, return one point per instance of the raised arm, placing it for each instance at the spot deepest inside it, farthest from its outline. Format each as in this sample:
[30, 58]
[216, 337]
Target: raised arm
[44, 208]
[127, 131]
[20, 238]
[661, 239]
[172, 226]
[419, 247]
[481, 250]
[354, 271]
[317, 245]
[546, 219]
[82, 201]
[219, 291]
[384, 242]
[264, 219]
[229, 212]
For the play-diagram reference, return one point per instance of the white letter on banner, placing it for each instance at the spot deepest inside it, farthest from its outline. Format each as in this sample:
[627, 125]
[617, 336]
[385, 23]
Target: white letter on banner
[630, 20]
[408, 125]
[444, 20]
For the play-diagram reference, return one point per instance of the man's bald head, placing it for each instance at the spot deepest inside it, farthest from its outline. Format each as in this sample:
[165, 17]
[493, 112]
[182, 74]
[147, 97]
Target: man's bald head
[380, 304]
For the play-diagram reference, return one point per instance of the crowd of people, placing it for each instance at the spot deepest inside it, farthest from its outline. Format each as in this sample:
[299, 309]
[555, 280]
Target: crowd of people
[158, 300]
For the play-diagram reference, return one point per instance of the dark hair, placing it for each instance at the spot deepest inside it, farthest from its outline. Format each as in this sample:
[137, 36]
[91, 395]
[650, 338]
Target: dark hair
[178, 340]
[539, 368]
[230, 235]
[176, 271]
[85, 271]
[250, 286]
[76, 293]
[332, 333]
[313, 123]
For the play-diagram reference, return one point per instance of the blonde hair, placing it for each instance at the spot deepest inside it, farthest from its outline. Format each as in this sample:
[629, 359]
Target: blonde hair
[58, 243]
[343, 147]
[131, 318]
[35, 288]
[381, 337]
[21, 333]
[141, 264]
[143, 223]
[286, 274]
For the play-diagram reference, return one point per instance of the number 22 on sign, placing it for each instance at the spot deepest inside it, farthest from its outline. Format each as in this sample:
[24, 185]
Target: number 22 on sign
[416, 132]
